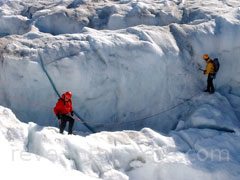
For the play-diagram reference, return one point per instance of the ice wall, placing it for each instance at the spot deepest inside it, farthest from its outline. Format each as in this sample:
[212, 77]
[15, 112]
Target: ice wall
[119, 78]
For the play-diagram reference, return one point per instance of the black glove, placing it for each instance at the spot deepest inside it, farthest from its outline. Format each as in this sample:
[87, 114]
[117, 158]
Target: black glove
[59, 116]
[72, 113]
[204, 72]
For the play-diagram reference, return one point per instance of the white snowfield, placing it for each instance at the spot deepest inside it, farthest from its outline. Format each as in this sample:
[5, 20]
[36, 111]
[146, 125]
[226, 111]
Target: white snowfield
[132, 65]
[29, 150]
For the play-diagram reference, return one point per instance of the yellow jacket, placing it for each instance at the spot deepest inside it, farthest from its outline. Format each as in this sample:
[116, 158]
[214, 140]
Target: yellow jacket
[209, 67]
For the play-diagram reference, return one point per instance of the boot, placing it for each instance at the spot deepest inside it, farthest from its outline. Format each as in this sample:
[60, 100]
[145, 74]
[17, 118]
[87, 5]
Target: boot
[211, 92]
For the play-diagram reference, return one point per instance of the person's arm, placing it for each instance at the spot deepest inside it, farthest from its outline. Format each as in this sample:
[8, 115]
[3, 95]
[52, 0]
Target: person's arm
[71, 110]
[57, 109]
[205, 70]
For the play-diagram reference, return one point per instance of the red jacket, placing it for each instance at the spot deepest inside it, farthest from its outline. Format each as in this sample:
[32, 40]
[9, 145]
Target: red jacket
[63, 107]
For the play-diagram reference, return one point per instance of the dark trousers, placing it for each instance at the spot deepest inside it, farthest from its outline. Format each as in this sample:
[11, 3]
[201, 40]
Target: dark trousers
[63, 122]
[210, 86]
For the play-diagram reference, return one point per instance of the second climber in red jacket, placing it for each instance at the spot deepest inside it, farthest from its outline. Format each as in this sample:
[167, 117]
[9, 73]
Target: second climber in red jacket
[64, 112]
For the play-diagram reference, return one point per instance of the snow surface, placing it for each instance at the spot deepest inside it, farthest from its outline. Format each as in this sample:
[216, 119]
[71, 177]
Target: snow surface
[28, 150]
[18, 162]
[131, 65]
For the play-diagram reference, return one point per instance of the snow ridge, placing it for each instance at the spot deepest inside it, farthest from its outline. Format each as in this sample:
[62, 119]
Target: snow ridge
[119, 155]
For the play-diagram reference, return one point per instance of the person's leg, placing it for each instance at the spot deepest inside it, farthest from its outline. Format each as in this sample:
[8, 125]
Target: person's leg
[70, 125]
[212, 89]
[209, 83]
[62, 125]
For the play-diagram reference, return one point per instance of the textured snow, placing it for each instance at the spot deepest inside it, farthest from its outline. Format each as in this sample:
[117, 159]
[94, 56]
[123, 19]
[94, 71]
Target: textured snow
[131, 65]
[18, 162]
[191, 153]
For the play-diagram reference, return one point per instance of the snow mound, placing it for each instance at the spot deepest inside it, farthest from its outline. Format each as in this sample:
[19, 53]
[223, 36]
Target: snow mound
[211, 112]
[59, 23]
[11, 25]
[121, 155]
[17, 162]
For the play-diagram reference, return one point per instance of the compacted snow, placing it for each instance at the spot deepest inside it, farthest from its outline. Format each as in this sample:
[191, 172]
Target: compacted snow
[132, 65]
[17, 162]
[190, 152]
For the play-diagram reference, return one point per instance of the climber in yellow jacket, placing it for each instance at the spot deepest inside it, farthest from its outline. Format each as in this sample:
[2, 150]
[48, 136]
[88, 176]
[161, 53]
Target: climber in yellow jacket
[210, 72]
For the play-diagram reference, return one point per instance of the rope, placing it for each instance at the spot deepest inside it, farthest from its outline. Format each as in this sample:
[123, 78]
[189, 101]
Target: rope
[56, 91]
[90, 40]
[49, 78]
[161, 112]
[147, 117]
[81, 120]
[84, 122]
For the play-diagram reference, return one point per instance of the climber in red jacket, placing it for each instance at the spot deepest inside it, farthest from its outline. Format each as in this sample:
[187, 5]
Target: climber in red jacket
[64, 112]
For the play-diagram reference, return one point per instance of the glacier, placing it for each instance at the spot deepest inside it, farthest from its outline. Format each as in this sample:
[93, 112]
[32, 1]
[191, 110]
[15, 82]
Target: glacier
[117, 74]
[133, 68]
